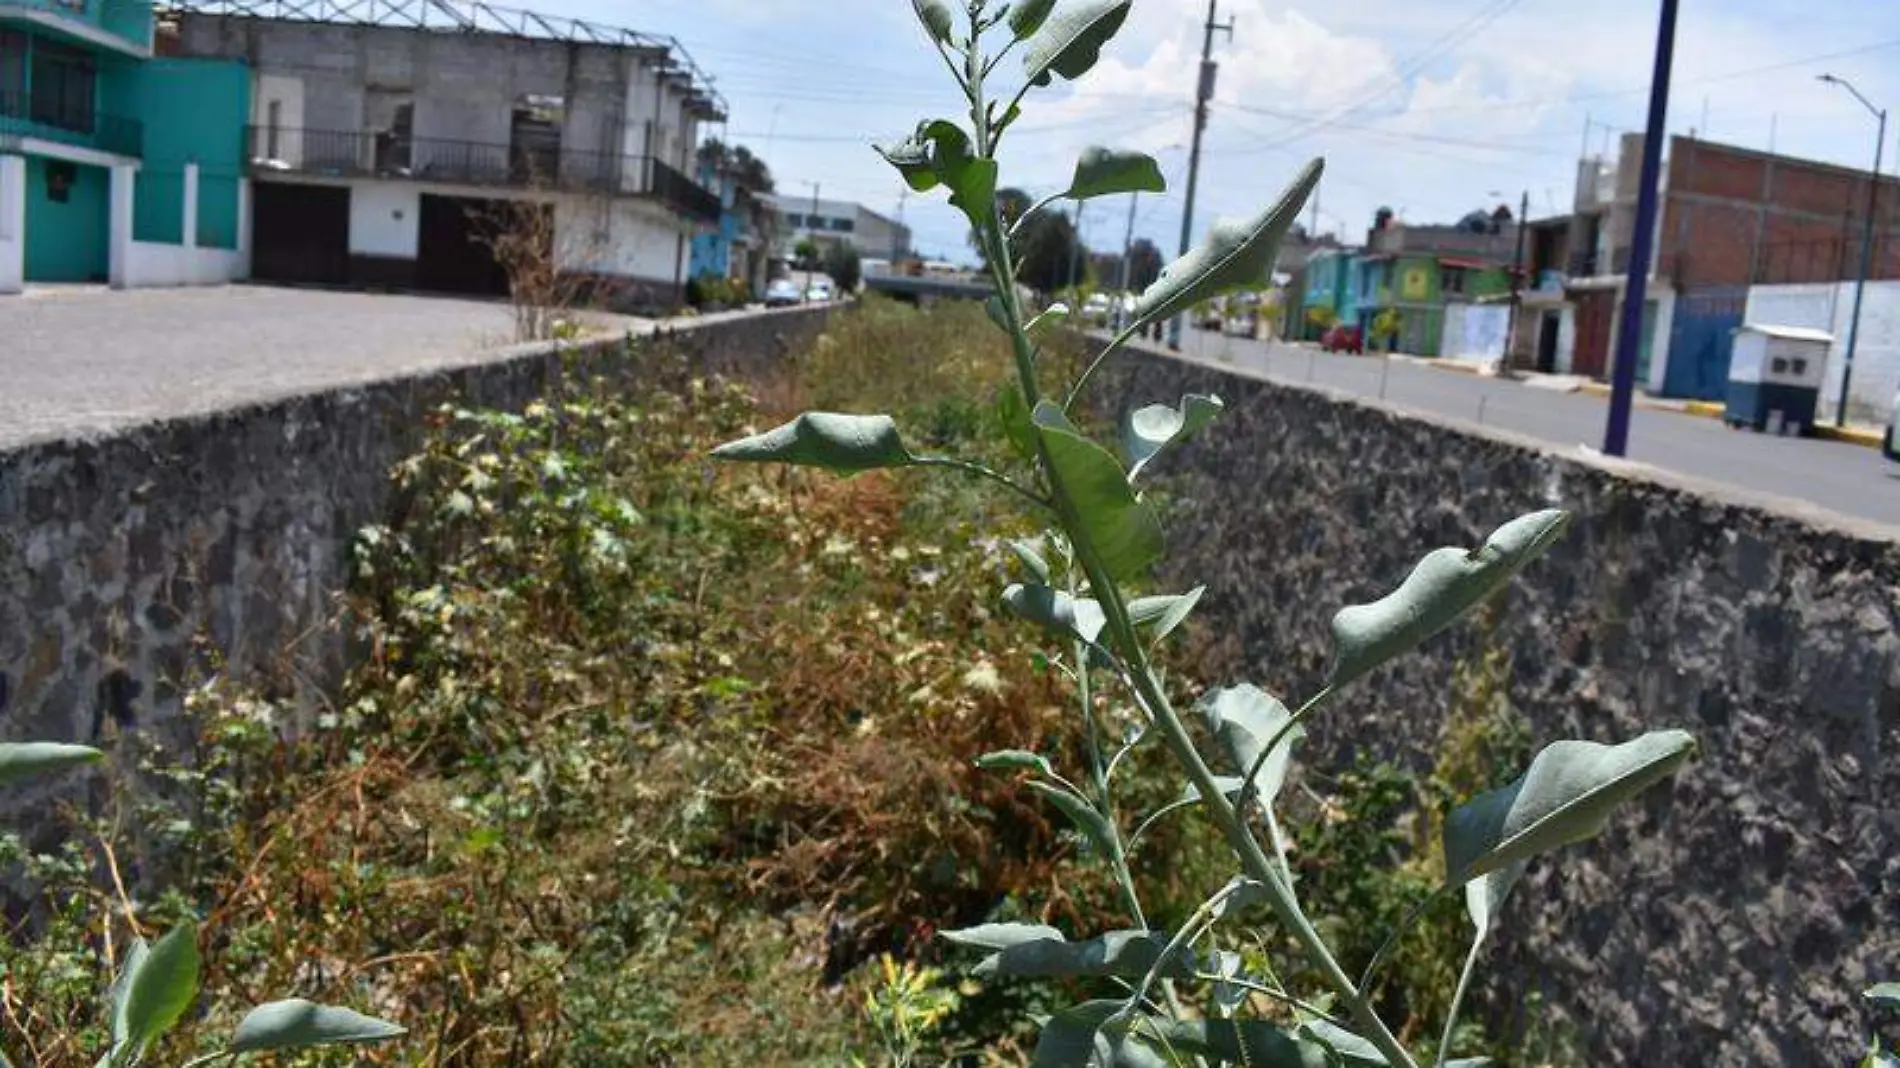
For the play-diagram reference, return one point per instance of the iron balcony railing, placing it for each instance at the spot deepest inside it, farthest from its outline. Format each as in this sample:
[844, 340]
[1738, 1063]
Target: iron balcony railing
[50, 119]
[383, 154]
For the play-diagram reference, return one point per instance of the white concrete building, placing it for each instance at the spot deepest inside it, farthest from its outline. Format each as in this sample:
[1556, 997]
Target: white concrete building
[388, 142]
[835, 222]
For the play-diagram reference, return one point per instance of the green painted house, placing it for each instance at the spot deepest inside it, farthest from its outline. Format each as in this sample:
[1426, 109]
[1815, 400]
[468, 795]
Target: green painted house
[1423, 289]
[115, 166]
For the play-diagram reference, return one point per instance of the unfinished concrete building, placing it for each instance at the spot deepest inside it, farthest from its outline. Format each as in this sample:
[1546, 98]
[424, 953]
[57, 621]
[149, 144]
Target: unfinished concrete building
[390, 143]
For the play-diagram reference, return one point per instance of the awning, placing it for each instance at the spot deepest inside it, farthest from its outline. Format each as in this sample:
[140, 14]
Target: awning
[1470, 265]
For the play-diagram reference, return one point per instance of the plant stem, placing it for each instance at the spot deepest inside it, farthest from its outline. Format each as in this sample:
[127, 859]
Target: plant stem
[980, 471]
[1254, 862]
[1273, 992]
[1118, 857]
[1458, 998]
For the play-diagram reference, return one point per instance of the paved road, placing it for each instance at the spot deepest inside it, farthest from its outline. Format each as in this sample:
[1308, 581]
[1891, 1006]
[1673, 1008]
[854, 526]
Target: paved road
[87, 360]
[1849, 479]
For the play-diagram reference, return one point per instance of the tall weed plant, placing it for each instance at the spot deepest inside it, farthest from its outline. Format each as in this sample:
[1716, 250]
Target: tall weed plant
[1199, 991]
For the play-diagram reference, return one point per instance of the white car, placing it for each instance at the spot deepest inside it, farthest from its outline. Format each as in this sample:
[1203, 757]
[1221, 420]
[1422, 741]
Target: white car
[781, 293]
[1097, 308]
[819, 292]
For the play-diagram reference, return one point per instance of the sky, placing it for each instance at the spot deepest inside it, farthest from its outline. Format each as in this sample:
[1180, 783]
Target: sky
[1432, 108]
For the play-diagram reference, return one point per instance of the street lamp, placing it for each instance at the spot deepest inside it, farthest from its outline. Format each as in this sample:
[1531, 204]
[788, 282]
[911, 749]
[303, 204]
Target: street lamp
[1866, 242]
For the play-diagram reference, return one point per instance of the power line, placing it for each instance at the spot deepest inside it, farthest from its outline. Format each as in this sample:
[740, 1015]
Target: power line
[1457, 142]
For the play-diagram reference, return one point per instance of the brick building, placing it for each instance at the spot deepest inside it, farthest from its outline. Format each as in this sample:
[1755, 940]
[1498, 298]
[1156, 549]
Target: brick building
[1729, 218]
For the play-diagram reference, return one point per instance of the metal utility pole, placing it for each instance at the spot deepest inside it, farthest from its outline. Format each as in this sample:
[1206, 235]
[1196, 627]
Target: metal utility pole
[1075, 254]
[1517, 282]
[1128, 254]
[1629, 334]
[1203, 93]
[1866, 244]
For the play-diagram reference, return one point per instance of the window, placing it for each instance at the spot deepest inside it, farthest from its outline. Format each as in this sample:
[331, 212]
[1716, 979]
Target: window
[272, 124]
[1451, 281]
[794, 220]
[59, 180]
[12, 72]
[63, 79]
[844, 226]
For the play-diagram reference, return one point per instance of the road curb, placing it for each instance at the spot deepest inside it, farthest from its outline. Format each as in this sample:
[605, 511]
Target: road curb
[1852, 435]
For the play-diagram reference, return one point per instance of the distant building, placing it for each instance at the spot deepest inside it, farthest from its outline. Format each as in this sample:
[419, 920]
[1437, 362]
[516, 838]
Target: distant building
[115, 167]
[1426, 277]
[739, 246]
[387, 140]
[1729, 219]
[835, 222]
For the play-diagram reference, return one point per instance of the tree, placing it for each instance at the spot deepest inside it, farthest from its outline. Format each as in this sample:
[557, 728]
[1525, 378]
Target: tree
[1144, 264]
[747, 171]
[841, 263]
[805, 253]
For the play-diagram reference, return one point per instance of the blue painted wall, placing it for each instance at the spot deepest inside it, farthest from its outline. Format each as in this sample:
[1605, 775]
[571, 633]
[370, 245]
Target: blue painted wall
[193, 110]
[69, 241]
[712, 253]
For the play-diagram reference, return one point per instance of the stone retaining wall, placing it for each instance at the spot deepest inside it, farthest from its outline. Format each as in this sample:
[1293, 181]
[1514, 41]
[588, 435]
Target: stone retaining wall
[117, 554]
[1731, 920]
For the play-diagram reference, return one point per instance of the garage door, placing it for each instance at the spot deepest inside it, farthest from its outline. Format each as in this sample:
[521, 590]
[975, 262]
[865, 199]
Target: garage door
[453, 254]
[300, 233]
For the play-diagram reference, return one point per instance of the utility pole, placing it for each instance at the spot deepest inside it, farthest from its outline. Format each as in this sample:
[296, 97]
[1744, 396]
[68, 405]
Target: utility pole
[1075, 253]
[1203, 93]
[811, 228]
[1866, 245]
[1629, 335]
[1517, 283]
[1128, 255]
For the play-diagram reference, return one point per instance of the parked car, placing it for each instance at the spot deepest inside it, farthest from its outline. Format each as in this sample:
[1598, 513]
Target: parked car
[1097, 308]
[819, 292]
[781, 292]
[1343, 338]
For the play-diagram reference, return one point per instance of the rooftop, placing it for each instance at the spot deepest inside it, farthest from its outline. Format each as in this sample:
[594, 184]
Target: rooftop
[463, 16]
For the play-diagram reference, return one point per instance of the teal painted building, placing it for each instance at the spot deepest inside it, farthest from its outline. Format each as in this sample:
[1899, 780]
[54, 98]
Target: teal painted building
[115, 166]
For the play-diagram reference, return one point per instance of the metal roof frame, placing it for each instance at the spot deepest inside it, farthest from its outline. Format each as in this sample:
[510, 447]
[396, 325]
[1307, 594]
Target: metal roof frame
[463, 16]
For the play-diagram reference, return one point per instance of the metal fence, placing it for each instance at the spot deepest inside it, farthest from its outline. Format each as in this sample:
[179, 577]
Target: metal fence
[27, 115]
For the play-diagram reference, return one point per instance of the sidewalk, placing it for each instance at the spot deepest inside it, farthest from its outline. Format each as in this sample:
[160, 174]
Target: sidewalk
[1853, 434]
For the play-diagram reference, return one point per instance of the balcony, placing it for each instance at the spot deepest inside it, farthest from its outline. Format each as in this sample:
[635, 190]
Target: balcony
[122, 25]
[383, 154]
[23, 116]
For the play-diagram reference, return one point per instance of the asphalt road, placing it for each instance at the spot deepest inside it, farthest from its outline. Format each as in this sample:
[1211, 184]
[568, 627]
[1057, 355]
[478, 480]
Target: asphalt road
[86, 361]
[1849, 479]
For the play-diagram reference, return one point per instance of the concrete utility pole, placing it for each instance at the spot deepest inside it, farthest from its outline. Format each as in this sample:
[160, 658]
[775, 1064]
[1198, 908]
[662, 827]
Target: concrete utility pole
[1866, 244]
[1128, 253]
[1075, 253]
[1629, 335]
[1517, 283]
[811, 228]
[1203, 94]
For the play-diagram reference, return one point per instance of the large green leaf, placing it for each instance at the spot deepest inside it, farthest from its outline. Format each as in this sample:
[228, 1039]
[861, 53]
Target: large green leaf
[1485, 895]
[1093, 825]
[1345, 1046]
[1066, 616]
[1255, 1043]
[1566, 796]
[160, 986]
[844, 443]
[1101, 172]
[999, 936]
[23, 760]
[1887, 994]
[970, 178]
[1121, 531]
[1444, 586]
[1245, 718]
[1027, 16]
[1124, 954]
[1152, 429]
[122, 987]
[1232, 256]
[1071, 40]
[298, 1024]
[936, 17]
[1073, 1037]
[911, 157]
